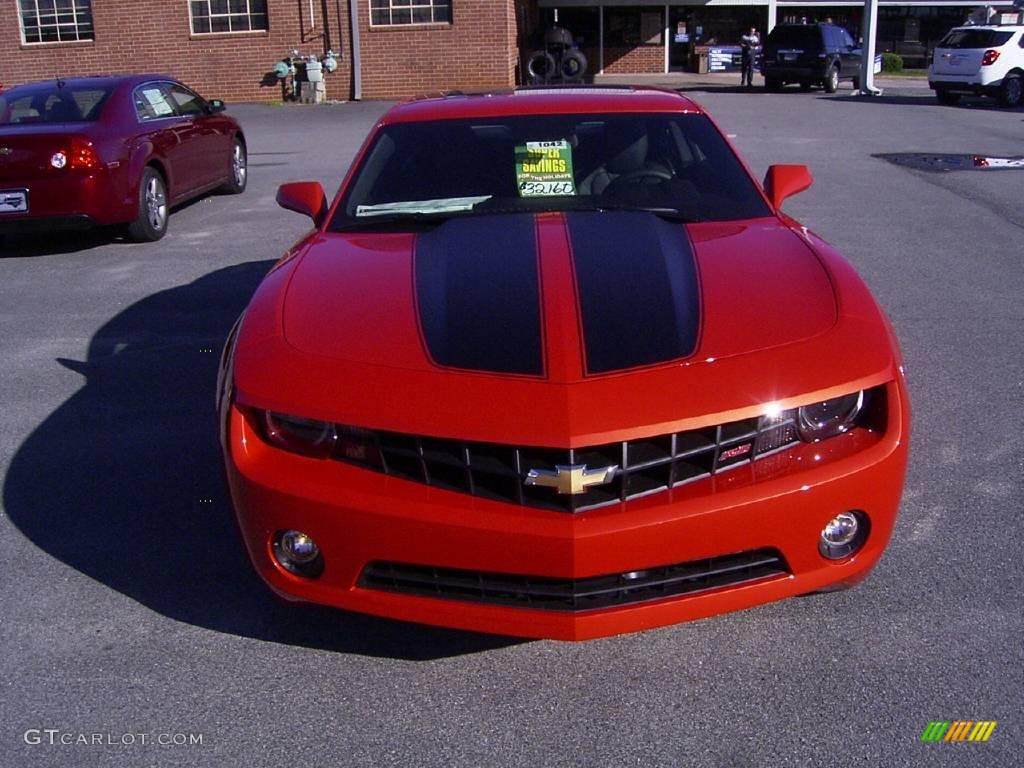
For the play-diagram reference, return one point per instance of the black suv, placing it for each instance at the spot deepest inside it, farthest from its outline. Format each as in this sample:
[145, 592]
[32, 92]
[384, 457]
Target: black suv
[810, 54]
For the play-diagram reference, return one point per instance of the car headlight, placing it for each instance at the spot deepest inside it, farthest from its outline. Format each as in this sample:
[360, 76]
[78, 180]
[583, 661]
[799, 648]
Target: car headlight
[298, 435]
[829, 417]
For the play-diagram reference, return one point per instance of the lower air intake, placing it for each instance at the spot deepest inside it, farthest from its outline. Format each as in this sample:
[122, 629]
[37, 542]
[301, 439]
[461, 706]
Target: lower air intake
[575, 595]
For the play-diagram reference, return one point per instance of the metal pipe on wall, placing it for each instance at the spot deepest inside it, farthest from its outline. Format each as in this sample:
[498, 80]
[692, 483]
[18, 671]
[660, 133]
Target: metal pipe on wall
[357, 75]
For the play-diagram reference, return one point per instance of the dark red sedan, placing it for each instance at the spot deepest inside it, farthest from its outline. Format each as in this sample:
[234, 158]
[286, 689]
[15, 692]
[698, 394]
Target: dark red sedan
[112, 150]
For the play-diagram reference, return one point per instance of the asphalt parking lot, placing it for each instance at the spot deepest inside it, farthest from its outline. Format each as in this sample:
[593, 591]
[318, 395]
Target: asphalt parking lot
[127, 606]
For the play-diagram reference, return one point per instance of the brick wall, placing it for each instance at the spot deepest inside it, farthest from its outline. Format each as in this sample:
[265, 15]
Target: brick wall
[135, 36]
[633, 61]
[476, 51]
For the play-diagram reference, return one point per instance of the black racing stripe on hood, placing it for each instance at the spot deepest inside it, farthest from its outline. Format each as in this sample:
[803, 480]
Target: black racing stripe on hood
[638, 289]
[478, 294]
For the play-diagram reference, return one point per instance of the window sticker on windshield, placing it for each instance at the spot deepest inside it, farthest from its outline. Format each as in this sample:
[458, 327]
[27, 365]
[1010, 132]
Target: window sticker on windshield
[544, 169]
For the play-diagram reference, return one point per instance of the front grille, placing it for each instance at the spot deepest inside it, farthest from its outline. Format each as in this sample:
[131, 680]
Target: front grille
[575, 595]
[498, 471]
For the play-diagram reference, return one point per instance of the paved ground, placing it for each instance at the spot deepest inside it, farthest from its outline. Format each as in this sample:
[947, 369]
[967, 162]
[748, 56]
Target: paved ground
[127, 608]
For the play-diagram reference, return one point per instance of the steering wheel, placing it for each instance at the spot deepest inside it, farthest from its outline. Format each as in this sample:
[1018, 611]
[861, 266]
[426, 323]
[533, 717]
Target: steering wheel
[657, 175]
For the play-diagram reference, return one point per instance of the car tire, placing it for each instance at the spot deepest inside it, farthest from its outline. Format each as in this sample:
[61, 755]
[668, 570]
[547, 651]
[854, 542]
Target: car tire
[832, 80]
[772, 84]
[573, 66]
[947, 98]
[235, 185]
[151, 222]
[541, 66]
[1011, 92]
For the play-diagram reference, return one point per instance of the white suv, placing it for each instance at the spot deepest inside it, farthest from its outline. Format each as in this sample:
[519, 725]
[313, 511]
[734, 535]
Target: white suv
[984, 60]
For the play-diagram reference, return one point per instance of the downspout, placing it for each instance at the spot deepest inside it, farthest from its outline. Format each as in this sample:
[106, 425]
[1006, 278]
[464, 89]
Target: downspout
[357, 63]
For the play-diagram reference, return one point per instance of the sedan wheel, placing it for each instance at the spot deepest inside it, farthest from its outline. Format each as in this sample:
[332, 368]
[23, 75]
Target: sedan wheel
[1012, 92]
[151, 222]
[239, 170]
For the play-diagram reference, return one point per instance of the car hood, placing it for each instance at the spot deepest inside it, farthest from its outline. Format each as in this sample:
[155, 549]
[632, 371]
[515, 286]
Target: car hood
[631, 289]
[586, 327]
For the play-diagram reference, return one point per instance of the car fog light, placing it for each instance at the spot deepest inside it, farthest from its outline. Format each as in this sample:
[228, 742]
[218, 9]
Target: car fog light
[58, 160]
[298, 553]
[843, 535]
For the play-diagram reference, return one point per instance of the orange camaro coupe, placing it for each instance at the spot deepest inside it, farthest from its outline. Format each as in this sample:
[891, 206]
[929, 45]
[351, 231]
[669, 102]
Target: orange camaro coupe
[553, 364]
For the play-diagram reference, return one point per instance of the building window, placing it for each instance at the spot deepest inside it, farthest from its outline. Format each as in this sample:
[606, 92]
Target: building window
[384, 13]
[55, 21]
[212, 16]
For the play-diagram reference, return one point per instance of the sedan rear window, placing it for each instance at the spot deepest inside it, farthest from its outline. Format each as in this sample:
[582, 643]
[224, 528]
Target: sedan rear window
[675, 165]
[975, 38]
[53, 103]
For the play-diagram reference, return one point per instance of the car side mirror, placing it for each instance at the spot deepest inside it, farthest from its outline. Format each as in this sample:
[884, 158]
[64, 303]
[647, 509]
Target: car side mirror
[784, 181]
[306, 197]
[216, 105]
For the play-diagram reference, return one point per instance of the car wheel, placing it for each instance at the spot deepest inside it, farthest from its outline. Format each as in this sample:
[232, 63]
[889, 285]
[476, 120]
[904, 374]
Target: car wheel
[832, 81]
[151, 222]
[235, 185]
[1011, 93]
[772, 84]
[947, 98]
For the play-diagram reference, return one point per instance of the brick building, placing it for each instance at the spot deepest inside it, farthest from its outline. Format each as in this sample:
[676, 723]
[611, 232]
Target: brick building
[228, 48]
[397, 48]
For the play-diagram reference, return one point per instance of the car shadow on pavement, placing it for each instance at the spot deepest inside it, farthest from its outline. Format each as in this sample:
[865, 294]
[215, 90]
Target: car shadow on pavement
[123, 483]
[47, 244]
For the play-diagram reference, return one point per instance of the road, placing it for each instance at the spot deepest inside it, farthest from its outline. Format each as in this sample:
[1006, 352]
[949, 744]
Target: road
[127, 608]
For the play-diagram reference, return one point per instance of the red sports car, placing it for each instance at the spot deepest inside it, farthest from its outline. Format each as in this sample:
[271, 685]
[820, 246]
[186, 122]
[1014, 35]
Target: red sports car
[112, 150]
[552, 364]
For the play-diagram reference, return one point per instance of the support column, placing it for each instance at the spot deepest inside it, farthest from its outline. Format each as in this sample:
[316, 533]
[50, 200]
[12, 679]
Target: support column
[773, 14]
[867, 61]
[666, 38]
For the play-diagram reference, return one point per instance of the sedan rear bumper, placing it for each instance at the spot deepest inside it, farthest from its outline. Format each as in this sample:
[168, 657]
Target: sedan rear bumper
[400, 549]
[73, 200]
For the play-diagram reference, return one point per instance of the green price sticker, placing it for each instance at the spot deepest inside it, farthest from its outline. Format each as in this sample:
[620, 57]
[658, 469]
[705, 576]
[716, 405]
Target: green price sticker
[544, 169]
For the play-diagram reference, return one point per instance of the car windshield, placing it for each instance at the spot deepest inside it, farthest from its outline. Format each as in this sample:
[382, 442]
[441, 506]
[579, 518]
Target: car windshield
[975, 38]
[53, 102]
[674, 165]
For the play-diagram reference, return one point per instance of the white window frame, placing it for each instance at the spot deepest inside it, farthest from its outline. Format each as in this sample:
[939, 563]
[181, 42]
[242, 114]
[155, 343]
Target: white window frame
[74, 10]
[433, 5]
[228, 15]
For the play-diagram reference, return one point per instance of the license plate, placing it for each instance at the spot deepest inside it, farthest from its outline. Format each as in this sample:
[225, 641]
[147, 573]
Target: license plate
[13, 200]
[789, 57]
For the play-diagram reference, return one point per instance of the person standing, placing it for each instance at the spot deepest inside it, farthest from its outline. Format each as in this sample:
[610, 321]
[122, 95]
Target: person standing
[750, 43]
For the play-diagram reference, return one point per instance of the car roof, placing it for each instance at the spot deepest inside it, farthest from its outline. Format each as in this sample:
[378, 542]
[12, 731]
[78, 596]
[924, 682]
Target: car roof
[103, 81]
[541, 101]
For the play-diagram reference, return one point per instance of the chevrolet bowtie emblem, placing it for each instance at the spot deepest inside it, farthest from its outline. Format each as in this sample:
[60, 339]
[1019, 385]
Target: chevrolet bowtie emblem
[575, 478]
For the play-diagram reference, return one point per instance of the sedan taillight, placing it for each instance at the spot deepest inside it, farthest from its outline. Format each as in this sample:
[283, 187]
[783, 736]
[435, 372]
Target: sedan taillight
[78, 154]
[990, 57]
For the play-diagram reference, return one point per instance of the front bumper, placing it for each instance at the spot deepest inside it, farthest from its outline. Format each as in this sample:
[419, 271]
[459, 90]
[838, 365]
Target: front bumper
[359, 517]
